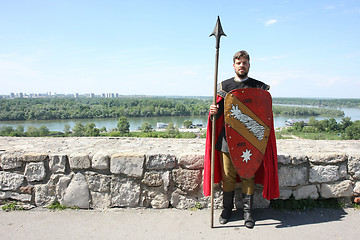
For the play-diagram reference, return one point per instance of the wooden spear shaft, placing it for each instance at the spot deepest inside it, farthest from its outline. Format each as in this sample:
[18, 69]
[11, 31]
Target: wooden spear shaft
[218, 32]
[213, 140]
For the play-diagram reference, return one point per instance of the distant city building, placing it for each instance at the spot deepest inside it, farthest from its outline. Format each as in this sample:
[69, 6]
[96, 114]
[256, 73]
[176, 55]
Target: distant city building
[56, 95]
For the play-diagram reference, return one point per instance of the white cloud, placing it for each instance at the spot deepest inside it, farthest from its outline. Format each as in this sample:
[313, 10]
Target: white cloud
[270, 22]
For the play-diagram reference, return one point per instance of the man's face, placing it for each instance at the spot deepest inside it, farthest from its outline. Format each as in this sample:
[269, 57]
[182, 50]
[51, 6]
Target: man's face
[241, 67]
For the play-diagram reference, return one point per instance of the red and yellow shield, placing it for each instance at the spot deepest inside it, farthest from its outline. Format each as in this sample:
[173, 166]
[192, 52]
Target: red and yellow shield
[248, 116]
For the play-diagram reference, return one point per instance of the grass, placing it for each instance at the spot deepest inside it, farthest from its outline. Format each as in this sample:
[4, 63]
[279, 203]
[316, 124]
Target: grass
[57, 206]
[308, 135]
[197, 206]
[12, 206]
[356, 206]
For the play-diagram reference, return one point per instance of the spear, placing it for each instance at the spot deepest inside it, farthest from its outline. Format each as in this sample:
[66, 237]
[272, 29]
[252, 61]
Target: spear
[218, 32]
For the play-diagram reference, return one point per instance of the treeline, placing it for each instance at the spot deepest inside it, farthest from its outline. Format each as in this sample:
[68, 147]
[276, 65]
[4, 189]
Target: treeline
[306, 111]
[87, 108]
[350, 103]
[90, 130]
[346, 128]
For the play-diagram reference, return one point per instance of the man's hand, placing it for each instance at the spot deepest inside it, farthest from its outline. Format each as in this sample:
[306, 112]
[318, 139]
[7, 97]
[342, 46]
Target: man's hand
[214, 109]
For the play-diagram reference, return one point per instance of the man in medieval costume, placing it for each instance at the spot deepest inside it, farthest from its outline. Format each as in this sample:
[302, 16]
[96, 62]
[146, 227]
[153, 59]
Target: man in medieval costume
[224, 170]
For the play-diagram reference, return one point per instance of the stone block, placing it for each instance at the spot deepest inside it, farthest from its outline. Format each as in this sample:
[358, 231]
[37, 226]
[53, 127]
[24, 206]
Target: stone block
[79, 161]
[160, 201]
[328, 159]
[321, 174]
[187, 180]
[35, 171]
[10, 181]
[100, 200]
[354, 167]
[11, 160]
[35, 157]
[192, 161]
[306, 192]
[283, 158]
[160, 162]
[15, 196]
[61, 185]
[291, 176]
[285, 193]
[57, 163]
[166, 177]
[343, 171]
[130, 164]
[100, 161]
[77, 194]
[154, 198]
[336, 190]
[300, 159]
[152, 179]
[180, 201]
[294, 160]
[98, 182]
[124, 192]
[44, 195]
[357, 188]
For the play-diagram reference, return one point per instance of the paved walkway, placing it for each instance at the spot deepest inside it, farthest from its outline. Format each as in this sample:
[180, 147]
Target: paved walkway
[176, 224]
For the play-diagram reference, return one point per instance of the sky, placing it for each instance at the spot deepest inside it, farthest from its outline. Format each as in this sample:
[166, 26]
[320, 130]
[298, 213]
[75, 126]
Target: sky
[300, 48]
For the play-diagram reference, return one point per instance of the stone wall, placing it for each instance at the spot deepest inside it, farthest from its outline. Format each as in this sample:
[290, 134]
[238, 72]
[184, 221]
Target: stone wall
[103, 172]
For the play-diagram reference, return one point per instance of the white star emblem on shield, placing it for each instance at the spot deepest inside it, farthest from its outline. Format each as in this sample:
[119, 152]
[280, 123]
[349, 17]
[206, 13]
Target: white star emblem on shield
[246, 155]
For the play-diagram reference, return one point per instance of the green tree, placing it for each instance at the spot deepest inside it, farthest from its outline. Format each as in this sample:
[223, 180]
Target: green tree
[187, 124]
[44, 131]
[345, 122]
[333, 125]
[6, 130]
[91, 130]
[299, 125]
[171, 130]
[353, 131]
[313, 122]
[67, 129]
[32, 131]
[146, 127]
[123, 125]
[20, 130]
[79, 130]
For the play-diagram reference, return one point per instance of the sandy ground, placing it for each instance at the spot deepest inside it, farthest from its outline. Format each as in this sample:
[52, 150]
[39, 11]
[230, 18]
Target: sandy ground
[177, 224]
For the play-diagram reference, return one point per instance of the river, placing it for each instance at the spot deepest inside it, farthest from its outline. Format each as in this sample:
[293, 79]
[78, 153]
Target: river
[135, 123]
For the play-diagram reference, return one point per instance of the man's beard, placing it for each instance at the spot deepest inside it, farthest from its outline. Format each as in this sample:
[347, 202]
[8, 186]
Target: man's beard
[242, 76]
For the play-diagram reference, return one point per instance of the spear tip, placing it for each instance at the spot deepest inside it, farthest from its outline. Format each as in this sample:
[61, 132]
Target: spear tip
[218, 31]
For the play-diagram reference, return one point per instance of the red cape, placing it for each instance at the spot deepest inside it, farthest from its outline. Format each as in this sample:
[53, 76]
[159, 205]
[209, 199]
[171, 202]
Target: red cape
[266, 175]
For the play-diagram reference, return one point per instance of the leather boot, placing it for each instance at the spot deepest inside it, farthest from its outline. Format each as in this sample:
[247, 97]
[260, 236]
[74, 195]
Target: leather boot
[248, 206]
[228, 204]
